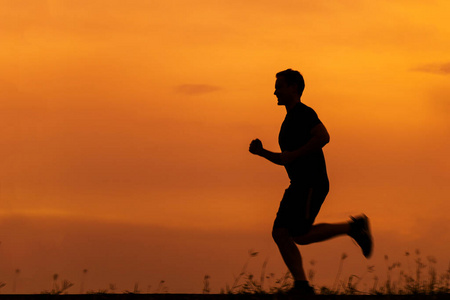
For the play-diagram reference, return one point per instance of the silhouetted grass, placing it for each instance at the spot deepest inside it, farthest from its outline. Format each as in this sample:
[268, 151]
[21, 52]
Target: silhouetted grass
[416, 277]
[422, 279]
[59, 289]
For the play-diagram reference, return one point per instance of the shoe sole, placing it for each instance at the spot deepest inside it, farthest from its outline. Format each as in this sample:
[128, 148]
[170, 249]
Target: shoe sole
[366, 231]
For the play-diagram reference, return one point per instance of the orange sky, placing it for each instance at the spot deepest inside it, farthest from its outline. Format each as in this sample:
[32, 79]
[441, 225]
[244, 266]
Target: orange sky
[139, 115]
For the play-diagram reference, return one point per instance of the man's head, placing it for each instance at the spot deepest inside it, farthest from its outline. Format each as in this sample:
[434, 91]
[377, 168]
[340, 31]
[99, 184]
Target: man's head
[292, 77]
[289, 86]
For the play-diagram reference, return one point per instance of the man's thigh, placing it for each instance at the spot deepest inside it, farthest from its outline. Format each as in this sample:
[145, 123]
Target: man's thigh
[299, 208]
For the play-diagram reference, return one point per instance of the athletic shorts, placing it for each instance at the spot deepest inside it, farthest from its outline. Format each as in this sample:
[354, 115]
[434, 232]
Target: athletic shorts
[299, 208]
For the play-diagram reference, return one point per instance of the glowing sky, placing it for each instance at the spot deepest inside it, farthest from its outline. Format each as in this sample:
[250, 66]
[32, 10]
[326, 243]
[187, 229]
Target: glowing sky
[138, 114]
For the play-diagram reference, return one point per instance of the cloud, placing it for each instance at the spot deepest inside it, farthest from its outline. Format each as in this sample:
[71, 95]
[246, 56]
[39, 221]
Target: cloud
[196, 89]
[442, 68]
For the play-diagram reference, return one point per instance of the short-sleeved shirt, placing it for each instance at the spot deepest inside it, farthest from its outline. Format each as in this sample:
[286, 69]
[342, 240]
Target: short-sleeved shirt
[295, 132]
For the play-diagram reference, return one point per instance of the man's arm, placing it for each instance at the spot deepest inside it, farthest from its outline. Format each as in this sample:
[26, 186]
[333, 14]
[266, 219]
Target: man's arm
[256, 148]
[319, 138]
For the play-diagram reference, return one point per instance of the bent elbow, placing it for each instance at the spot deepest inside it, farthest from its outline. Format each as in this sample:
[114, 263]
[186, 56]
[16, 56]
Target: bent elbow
[325, 139]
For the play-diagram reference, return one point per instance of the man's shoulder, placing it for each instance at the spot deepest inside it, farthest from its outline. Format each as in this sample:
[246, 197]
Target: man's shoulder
[303, 109]
[306, 107]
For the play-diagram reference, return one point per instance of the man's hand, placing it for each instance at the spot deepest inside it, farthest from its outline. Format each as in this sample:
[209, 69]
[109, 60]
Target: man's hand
[256, 147]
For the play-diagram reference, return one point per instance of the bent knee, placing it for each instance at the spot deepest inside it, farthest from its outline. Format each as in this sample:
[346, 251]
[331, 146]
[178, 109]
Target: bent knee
[302, 240]
[280, 235]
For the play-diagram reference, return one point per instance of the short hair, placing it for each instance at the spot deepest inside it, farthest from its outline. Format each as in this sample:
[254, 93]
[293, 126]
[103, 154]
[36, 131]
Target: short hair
[293, 77]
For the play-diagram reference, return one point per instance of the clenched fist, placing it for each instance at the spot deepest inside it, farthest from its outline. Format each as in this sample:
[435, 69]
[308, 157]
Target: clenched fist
[256, 147]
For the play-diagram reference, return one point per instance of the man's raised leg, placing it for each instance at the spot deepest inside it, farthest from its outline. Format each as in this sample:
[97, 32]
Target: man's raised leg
[323, 232]
[358, 229]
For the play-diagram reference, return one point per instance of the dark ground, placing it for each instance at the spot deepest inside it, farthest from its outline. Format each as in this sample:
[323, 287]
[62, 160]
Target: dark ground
[218, 297]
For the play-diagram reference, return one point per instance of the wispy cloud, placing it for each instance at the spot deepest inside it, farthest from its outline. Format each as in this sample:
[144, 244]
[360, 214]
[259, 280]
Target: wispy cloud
[441, 68]
[196, 89]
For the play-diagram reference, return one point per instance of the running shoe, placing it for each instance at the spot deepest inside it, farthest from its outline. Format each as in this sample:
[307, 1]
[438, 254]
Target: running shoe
[360, 232]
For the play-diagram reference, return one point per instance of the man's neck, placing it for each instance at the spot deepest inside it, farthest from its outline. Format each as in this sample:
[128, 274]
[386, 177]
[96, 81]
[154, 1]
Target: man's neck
[291, 105]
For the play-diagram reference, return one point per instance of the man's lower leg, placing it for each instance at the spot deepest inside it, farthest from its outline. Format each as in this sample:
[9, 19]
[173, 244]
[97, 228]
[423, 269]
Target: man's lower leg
[289, 252]
[292, 258]
[323, 232]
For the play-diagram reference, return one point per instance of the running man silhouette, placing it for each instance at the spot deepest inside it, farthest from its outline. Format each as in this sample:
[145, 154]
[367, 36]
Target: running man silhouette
[301, 139]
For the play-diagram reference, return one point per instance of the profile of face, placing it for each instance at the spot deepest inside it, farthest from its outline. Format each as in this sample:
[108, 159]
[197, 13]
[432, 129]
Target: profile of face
[285, 93]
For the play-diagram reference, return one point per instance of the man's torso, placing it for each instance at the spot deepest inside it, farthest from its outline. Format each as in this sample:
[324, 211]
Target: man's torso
[295, 132]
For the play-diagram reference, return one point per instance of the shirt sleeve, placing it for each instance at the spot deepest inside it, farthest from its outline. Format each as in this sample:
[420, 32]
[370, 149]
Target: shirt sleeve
[311, 118]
